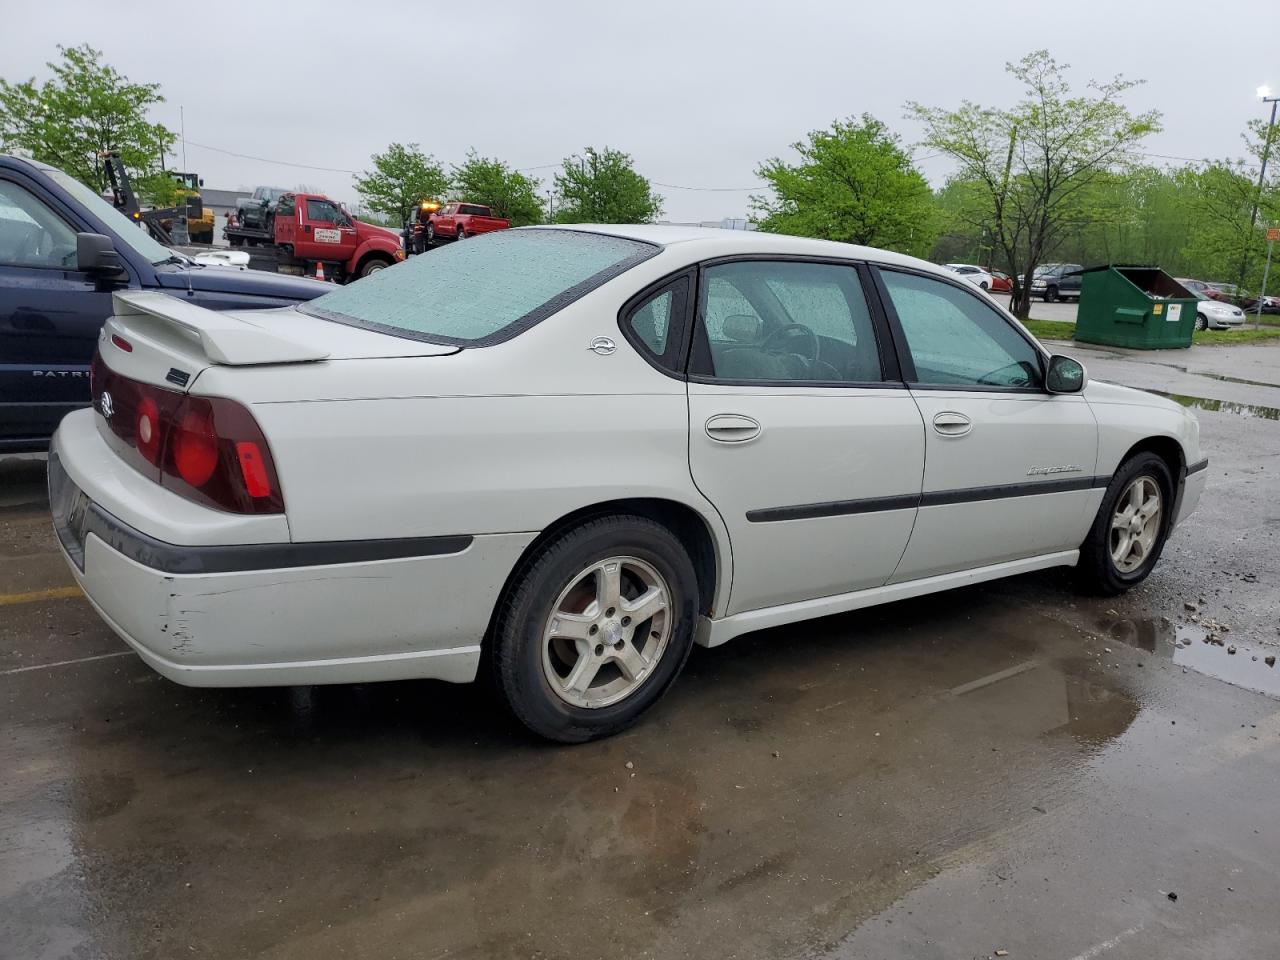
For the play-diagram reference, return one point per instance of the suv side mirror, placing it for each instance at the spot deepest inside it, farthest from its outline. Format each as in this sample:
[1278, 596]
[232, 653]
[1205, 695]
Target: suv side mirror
[96, 254]
[1065, 375]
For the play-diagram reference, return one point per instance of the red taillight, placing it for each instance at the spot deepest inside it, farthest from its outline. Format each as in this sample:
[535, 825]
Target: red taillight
[207, 449]
[195, 447]
[122, 343]
[253, 470]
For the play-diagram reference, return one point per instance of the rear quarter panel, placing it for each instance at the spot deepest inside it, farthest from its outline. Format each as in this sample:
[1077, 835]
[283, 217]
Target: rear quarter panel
[501, 439]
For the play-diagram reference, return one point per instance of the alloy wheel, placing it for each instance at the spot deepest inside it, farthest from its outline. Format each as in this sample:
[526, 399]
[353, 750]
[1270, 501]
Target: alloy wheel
[606, 632]
[1135, 524]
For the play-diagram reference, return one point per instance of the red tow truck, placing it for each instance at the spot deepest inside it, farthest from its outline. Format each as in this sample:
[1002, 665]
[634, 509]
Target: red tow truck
[435, 224]
[309, 230]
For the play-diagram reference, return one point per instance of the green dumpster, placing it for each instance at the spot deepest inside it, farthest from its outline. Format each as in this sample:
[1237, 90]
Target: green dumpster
[1127, 306]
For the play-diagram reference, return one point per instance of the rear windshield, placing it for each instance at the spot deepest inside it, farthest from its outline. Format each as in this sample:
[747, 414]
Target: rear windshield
[482, 290]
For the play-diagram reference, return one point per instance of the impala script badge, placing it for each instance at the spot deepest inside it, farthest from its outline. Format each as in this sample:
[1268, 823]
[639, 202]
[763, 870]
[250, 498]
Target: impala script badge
[1065, 468]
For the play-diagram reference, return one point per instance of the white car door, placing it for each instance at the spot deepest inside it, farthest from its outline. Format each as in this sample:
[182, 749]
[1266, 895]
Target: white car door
[811, 450]
[1009, 467]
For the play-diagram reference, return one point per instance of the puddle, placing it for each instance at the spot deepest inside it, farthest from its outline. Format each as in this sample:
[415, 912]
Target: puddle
[1187, 645]
[1223, 406]
[1225, 379]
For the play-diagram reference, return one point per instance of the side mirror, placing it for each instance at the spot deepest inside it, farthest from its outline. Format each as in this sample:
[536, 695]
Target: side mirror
[96, 254]
[1065, 375]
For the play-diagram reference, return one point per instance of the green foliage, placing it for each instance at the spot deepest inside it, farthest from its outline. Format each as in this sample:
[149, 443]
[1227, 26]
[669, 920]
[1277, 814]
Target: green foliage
[402, 177]
[86, 108]
[603, 187]
[491, 182]
[158, 190]
[1029, 163]
[854, 183]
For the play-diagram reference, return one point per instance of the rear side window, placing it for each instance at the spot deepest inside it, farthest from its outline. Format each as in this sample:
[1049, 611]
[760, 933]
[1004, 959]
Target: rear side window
[784, 321]
[656, 324]
[485, 290]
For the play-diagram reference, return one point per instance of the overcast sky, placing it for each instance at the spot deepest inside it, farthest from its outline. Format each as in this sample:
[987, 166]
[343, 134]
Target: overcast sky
[697, 92]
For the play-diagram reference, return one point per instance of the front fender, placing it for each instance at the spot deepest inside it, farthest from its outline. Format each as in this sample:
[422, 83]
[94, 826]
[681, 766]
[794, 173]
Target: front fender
[1126, 417]
[383, 246]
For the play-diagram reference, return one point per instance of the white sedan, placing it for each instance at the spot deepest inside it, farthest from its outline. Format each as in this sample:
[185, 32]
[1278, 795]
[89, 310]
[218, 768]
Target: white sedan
[564, 455]
[975, 275]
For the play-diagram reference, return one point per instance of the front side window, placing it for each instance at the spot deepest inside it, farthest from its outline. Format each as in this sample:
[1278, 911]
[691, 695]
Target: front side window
[323, 211]
[129, 232]
[32, 235]
[956, 339]
[785, 321]
[485, 290]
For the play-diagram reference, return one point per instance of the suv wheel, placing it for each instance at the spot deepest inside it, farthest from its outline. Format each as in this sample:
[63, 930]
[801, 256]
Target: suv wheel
[595, 628]
[1130, 528]
[1050, 294]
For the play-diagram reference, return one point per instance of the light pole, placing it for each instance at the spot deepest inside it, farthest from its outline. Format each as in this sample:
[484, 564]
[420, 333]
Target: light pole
[1264, 94]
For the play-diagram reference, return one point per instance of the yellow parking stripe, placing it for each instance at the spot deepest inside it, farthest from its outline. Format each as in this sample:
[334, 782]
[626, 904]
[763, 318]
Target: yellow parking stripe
[53, 593]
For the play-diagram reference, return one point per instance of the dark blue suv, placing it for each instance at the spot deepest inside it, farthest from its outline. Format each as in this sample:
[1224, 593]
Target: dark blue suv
[63, 252]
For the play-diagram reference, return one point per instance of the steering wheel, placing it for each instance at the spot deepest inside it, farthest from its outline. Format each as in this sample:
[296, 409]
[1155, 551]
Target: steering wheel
[796, 330]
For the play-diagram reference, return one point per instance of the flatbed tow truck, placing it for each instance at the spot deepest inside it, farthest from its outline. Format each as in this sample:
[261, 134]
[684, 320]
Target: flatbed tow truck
[309, 234]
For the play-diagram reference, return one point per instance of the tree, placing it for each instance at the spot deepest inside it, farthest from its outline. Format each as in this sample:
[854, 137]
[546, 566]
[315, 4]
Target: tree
[603, 187]
[85, 109]
[1030, 162]
[402, 177]
[493, 183]
[854, 183]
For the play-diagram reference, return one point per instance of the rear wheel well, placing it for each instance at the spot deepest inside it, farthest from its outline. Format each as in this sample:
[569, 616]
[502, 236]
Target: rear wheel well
[682, 520]
[1166, 448]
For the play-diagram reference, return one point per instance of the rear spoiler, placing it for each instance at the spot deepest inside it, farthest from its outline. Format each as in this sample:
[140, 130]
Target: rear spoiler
[224, 338]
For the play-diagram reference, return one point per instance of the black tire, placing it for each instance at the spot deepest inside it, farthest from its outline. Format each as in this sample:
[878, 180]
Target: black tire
[236, 241]
[1202, 322]
[373, 265]
[462, 233]
[1096, 571]
[1051, 295]
[515, 646]
[430, 236]
[984, 285]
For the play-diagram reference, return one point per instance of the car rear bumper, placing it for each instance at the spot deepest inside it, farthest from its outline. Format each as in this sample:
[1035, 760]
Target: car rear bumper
[266, 614]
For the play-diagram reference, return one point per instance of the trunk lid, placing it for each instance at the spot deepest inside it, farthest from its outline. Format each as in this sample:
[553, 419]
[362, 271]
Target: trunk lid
[170, 341]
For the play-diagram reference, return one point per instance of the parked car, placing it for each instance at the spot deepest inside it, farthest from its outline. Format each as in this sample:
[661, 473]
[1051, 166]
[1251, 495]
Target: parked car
[457, 221]
[64, 251]
[975, 275]
[1056, 281]
[1198, 287]
[256, 211]
[1001, 282]
[1210, 313]
[566, 455]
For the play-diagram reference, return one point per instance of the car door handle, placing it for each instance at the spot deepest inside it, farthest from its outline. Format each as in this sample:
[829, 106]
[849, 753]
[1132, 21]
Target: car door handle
[951, 424]
[732, 428]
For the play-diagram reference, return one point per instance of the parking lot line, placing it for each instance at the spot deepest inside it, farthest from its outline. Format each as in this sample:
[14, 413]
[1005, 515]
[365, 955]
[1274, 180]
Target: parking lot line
[53, 593]
[64, 663]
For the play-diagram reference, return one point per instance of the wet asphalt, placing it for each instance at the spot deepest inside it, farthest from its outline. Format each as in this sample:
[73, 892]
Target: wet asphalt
[1007, 767]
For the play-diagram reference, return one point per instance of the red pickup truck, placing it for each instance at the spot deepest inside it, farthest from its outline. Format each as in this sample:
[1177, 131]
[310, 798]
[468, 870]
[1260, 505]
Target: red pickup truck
[457, 221]
[306, 229]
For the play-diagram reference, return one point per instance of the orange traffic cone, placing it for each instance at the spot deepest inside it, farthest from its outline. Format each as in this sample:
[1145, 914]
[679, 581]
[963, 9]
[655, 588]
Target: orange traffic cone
[319, 270]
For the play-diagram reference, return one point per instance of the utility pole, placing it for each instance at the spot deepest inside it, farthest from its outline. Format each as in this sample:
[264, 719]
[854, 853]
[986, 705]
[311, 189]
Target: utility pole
[1264, 93]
